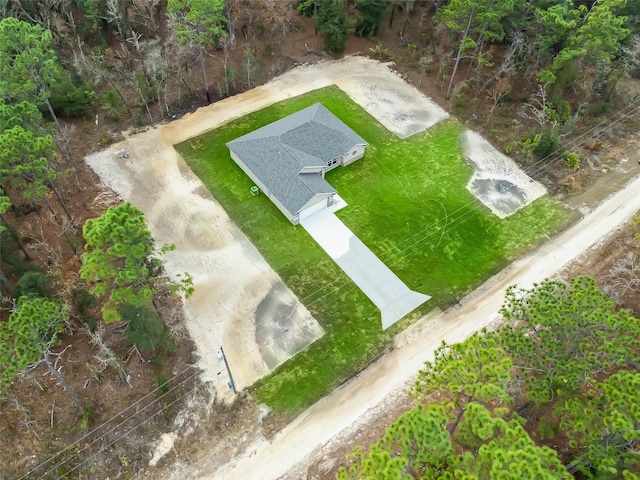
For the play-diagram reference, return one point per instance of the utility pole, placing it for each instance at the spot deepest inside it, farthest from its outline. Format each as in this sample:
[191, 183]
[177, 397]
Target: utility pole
[222, 356]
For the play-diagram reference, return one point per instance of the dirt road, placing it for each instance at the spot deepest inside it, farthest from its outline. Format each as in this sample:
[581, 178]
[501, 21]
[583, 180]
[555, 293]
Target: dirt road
[395, 371]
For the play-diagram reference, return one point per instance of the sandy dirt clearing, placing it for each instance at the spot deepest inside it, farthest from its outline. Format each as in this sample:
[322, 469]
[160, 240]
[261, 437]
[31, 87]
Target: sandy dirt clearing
[291, 450]
[497, 181]
[239, 301]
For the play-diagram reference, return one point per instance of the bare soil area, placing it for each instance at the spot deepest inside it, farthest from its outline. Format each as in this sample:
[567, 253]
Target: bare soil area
[497, 180]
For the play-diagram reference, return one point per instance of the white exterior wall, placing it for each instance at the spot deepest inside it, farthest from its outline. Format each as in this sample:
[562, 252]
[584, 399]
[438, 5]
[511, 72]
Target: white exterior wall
[292, 218]
[314, 205]
[331, 167]
[354, 154]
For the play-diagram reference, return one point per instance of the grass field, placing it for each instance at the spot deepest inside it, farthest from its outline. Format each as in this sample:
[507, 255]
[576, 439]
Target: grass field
[407, 202]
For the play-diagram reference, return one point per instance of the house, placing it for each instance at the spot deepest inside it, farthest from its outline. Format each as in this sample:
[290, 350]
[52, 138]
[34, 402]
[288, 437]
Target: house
[288, 158]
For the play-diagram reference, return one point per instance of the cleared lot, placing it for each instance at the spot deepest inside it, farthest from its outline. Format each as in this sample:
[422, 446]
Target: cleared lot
[240, 301]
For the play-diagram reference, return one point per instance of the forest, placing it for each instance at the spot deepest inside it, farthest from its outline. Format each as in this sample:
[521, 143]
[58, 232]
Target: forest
[549, 395]
[90, 324]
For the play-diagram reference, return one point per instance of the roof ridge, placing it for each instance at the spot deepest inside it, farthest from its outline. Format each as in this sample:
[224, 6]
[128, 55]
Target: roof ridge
[277, 154]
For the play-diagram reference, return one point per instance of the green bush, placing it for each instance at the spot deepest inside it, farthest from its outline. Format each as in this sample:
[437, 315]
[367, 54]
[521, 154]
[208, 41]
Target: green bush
[83, 303]
[146, 330]
[307, 8]
[112, 105]
[333, 25]
[72, 97]
[371, 13]
[549, 143]
[559, 111]
[34, 284]
[571, 159]
[10, 258]
[546, 429]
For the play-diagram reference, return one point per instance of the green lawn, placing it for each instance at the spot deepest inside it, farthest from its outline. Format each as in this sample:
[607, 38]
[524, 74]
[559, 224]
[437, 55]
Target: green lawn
[407, 202]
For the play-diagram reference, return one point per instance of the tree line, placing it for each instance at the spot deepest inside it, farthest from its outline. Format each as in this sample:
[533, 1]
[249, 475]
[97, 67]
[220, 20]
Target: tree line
[121, 268]
[562, 371]
[561, 60]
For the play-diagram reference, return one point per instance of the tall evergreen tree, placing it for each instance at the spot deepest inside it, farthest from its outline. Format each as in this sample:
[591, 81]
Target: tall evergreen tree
[30, 69]
[120, 260]
[333, 25]
[371, 13]
[28, 337]
[200, 24]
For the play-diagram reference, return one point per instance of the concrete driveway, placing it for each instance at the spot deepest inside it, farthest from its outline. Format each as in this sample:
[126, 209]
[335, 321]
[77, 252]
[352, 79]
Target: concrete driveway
[381, 285]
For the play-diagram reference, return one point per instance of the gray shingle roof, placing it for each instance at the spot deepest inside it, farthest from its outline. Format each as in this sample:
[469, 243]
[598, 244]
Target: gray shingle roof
[276, 153]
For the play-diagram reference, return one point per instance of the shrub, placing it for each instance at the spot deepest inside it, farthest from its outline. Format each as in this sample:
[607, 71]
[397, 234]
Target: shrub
[83, 303]
[549, 143]
[307, 8]
[333, 25]
[559, 111]
[34, 284]
[572, 159]
[146, 330]
[371, 13]
[112, 105]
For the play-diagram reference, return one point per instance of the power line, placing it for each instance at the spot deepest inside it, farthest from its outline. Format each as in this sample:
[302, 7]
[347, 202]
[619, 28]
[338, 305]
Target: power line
[126, 433]
[76, 442]
[469, 209]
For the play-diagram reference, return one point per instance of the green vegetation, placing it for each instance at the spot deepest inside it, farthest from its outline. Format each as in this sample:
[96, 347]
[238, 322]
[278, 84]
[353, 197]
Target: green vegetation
[121, 262]
[199, 24]
[407, 202]
[30, 70]
[145, 329]
[334, 26]
[567, 358]
[27, 339]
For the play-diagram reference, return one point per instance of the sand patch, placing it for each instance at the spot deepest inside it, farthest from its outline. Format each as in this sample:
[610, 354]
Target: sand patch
[497, 181]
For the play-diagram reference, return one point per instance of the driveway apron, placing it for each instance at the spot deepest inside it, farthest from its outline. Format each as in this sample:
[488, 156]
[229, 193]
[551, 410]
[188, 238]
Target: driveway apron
[381, 285]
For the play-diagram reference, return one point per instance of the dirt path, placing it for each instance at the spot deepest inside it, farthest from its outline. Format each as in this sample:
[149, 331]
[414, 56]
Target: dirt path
[287, 455]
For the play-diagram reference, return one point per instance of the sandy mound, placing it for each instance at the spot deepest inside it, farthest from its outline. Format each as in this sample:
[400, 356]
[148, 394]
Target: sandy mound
[497, 181]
